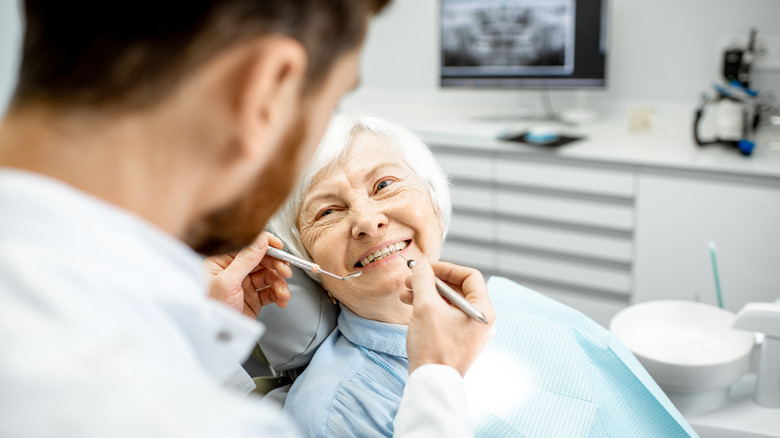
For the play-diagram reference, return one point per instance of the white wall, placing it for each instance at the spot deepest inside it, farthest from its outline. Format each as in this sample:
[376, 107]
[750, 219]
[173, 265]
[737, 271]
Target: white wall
[658, 48]
[10, 39]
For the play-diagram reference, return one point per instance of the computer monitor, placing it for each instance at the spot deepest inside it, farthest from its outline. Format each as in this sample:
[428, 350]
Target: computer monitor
[523, 43]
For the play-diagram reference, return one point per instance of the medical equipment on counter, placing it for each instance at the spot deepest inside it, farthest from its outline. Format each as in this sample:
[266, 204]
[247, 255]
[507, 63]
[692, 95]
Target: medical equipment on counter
[542, 134]
[453, 297]
[737, 62]
[764, 318]
[736, 117]
[736, 106]
[306, 265]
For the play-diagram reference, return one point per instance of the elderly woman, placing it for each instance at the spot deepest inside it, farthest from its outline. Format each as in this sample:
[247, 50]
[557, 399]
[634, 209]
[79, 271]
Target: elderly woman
[374, 196]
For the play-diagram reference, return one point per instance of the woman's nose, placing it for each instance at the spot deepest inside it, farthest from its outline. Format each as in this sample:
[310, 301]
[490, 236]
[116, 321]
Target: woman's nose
[369, 221]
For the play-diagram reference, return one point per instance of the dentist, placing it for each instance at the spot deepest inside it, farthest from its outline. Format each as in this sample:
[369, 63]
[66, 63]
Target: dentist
[141, 136]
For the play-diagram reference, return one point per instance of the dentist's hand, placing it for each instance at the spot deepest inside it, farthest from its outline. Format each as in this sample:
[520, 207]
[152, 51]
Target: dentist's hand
[249, 280]
[440, 333]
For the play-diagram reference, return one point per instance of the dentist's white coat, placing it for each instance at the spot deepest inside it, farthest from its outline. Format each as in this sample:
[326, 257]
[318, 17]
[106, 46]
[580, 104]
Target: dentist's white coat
[106, 330]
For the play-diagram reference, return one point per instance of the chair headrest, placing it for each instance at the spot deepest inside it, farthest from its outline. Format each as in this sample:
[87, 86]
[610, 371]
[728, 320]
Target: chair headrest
[293, 334]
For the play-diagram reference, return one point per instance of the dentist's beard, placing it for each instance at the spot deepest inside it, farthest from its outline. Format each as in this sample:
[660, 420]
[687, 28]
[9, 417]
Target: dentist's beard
[237, 225]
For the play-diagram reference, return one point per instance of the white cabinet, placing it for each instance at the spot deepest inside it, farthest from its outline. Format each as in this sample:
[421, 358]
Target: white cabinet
[679, 214]
[565, 209]
[599, 236]
[561, 227]
[472, 234]
[557, 175]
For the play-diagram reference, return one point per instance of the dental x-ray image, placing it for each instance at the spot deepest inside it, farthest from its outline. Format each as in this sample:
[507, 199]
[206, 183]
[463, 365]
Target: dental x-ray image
[510, 36]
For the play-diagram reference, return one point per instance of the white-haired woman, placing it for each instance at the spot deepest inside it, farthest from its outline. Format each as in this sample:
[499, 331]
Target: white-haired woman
[386, 192]
[374, 193]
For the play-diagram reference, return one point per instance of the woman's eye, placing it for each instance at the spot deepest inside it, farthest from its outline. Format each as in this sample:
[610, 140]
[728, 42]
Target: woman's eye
[383, 184]
[326, 212]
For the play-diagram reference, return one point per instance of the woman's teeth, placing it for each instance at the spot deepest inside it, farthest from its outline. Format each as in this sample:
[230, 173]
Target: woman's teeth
[382, 253]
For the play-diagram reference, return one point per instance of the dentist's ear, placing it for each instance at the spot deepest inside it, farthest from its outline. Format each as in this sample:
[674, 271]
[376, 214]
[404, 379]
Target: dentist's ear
[268, 92]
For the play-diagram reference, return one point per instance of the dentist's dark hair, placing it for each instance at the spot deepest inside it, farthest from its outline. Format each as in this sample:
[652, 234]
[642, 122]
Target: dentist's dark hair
[133, 53]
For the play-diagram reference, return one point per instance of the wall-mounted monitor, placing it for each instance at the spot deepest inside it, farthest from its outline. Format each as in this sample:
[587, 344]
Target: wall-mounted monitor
[523, 43]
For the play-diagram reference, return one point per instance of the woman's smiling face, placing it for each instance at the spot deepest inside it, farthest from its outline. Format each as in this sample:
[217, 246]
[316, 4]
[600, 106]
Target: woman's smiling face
[362, 215]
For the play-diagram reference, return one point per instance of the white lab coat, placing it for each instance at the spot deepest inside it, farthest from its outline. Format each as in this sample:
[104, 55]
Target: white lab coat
[106, 330]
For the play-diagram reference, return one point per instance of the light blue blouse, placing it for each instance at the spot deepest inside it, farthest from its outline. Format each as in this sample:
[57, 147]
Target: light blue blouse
[354, 383]
[548, 371]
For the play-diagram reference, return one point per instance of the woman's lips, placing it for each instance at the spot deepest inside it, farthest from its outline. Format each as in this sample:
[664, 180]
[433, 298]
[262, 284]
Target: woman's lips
[384, 262]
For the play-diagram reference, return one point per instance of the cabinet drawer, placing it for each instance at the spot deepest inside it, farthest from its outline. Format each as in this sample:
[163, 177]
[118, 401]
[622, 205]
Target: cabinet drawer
[480, 257]
[578, 243]
[471, 197]
[568, 178]
[471, 227]
[466, 166]
[567, 210]
[598, 308]
[544, 269]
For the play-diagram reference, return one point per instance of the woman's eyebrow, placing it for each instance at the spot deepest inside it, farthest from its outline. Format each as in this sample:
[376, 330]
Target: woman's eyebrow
[380, 168]
[308, 201]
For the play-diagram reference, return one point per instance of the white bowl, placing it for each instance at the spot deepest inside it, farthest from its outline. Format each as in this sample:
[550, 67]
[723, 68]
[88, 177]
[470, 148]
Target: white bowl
[689, 349]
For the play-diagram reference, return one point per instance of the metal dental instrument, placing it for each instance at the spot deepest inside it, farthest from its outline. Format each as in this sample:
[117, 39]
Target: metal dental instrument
[453, 297]
[303, 264]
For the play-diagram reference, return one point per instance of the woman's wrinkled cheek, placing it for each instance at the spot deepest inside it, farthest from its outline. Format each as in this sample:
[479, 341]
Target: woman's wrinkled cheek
[319, 242]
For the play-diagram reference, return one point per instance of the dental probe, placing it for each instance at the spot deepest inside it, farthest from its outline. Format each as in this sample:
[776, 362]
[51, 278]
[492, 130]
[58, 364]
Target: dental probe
[304, 264]
[453, 297]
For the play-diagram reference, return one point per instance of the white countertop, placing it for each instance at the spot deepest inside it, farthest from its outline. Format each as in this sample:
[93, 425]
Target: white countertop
[475, 121]
[739, 417]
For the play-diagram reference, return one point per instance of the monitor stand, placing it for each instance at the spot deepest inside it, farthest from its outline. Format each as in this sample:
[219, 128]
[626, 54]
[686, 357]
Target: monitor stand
[550, 115]
[570, 118]
[581, 113]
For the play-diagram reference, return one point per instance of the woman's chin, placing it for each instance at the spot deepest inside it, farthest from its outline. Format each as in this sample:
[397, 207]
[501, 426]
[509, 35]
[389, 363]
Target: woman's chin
[394, 312]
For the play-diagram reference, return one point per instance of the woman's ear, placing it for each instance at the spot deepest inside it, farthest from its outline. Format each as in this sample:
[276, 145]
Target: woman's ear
[268, 93]
[441, 222]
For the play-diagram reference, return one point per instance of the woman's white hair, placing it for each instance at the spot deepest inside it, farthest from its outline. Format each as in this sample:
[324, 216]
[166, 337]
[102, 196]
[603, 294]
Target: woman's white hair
[333, 149]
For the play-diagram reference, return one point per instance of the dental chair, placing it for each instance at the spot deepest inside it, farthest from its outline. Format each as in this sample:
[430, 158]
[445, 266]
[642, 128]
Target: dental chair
[569, 367]
[583, 373]
[292, 336]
